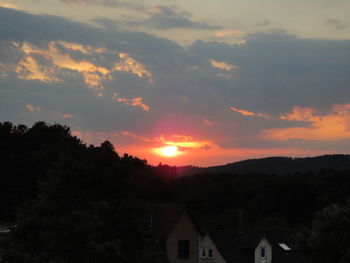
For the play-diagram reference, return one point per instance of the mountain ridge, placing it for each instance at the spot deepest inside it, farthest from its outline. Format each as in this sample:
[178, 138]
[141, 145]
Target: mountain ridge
[278, 165]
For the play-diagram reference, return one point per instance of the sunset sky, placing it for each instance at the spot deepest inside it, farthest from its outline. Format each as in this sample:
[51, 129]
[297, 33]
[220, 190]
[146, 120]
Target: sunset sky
[182, 82]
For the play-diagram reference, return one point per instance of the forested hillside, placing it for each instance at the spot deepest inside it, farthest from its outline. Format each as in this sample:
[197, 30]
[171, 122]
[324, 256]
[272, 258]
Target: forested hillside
[69, 202]
[275, 165]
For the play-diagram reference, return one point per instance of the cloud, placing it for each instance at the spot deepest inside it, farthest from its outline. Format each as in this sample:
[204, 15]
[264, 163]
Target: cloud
[8, 5]
[249, 113]
[29, 68]
[208, 123]
[54, 60]
[129, 64]
[228, 33]
[335, 23]
[135, 102]
[222, 65]
[108, 3]
[169, 17]
[183, 142]
[301, 114]
[32, 108]
[334, 126]
[65, 115]
[46, 64]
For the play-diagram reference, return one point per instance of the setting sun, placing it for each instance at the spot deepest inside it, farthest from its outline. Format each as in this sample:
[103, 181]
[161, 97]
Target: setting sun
[168, 151]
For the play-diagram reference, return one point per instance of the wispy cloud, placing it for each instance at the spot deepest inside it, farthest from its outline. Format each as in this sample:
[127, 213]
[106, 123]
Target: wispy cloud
[235, 37]
[336, 24]
[333, 126]
[65, 115]
[307, 114]
[208, 123]
[135, 102]
[8, 5]
[29, 68]
[46, 64]
[250, 113]
[52, 59]
[163, 17]
[129, 64]
[181, 141]
[228, 33]
[222, 65]
[108, 3]
[32, 108]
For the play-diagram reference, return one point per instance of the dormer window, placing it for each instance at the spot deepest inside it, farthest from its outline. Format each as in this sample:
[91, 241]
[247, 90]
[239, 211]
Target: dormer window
[263, 252]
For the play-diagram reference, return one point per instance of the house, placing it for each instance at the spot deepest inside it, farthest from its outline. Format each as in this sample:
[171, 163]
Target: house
[177, 238]
[255, 247]
[4, 230]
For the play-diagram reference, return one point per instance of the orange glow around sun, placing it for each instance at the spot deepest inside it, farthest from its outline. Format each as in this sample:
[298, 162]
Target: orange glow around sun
[168, 151]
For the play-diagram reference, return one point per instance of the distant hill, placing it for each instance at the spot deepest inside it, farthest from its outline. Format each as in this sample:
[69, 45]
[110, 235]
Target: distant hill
[275, 165]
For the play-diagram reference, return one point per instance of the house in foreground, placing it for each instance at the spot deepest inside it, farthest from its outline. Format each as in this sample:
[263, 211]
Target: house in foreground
[178, 239]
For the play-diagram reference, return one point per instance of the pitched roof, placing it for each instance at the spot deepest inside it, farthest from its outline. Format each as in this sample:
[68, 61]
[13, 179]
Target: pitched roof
[165, 217]
[236, 247]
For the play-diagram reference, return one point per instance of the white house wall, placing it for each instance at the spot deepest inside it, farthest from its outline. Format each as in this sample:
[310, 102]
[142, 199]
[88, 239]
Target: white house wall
[207, 242]
[263, 244]
[184, 230]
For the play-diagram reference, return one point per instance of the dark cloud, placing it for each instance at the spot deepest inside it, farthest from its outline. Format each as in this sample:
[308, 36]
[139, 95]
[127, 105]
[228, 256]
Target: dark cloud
[39, 29]
[282, 70]
[168, 17]
[106, 23]
[336, 24]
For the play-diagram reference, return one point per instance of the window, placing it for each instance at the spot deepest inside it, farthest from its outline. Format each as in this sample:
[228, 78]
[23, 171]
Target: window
[206, 253]
[183, 249]
[284, 246]
[263, 252]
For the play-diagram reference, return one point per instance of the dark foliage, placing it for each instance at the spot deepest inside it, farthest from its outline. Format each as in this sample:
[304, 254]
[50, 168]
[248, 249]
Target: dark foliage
[73, 203]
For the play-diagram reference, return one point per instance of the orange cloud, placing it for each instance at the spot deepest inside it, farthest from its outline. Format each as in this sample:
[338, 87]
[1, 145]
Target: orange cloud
[65, 115]
[234, 37]
[249, 113]
[32, 108]
[139, 138]
[76, 47]
[135, 102]
[8, 5]
[222, 65]
[29, 68]
[301, 114]
[187, 142]
[184, 142]
[129, 64]
[333, 126]
[228, 33]
[93, 75]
